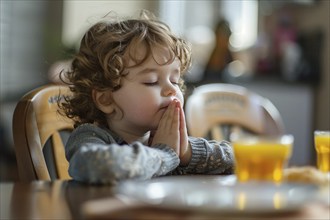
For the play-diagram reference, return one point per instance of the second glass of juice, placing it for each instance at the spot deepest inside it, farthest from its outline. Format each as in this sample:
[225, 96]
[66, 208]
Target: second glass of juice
[322, 146]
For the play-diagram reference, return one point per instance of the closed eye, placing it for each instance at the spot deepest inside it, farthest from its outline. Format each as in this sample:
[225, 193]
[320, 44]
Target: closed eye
[150, 83]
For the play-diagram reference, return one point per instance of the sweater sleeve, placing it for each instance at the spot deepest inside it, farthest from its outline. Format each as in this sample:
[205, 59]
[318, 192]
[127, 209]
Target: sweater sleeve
[208, 157]
[95, 157]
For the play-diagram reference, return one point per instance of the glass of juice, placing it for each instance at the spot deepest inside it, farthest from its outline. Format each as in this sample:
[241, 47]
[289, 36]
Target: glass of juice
[261, 158]
[322, 146]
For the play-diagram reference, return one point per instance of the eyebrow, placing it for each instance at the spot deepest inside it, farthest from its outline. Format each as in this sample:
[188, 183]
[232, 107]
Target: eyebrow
[149, 70]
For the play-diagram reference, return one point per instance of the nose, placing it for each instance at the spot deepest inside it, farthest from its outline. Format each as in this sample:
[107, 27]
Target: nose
[169, 90]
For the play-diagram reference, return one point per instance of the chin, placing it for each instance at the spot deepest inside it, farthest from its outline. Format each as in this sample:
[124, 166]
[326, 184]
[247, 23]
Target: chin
[154, 126]
[149, 127]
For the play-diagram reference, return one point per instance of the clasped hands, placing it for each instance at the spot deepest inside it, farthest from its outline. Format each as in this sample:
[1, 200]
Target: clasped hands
[172, 131]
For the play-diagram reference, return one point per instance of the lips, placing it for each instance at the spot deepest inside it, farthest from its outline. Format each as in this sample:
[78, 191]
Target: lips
[167, 103]
[164, 107]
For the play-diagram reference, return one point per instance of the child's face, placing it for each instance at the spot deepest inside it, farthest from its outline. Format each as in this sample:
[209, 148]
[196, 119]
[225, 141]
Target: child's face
[146, 92]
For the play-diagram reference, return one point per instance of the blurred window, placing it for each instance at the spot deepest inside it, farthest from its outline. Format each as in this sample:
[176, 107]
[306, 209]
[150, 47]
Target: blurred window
[243, 23]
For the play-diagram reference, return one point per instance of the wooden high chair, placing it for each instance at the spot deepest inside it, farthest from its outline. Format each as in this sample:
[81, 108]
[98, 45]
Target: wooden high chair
[39, 133]
[215, 111]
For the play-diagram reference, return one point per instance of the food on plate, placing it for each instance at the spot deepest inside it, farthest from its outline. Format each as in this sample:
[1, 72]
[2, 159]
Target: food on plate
[306, 174]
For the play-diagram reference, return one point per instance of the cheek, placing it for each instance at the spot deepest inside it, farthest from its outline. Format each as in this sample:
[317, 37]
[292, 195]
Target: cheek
[142, 110]
[137, 102]
[143, 106]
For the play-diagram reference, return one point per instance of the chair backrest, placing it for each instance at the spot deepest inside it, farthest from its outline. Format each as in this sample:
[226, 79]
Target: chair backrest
[215, 111]
[39, 132]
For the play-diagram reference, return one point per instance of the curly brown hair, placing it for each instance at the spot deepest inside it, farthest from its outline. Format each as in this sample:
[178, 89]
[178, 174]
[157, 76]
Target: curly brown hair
[103, 56]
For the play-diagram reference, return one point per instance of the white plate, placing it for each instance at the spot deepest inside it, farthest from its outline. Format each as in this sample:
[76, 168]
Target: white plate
[218, 194]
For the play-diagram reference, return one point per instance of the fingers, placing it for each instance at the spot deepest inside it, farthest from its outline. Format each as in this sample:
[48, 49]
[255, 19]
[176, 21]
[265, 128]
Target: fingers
[168, 118]
[183, 135]
[168, 129]
[183, 126]
[172, 131]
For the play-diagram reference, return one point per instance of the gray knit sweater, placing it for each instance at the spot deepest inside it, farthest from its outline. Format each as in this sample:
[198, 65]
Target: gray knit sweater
[98, 155]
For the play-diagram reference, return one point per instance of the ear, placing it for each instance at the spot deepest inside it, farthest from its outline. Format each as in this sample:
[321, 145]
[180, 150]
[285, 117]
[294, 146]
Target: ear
[103, 101]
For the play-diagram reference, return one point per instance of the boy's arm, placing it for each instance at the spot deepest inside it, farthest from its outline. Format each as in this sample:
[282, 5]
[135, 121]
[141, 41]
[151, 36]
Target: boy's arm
[208, 157]
[93, 159]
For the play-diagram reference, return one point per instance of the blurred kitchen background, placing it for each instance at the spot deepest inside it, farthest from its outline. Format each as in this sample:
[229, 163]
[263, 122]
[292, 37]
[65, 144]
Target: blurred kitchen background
[279, 49]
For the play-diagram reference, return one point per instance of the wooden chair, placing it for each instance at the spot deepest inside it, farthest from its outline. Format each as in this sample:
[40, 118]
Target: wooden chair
[39, 132]
[215, 111]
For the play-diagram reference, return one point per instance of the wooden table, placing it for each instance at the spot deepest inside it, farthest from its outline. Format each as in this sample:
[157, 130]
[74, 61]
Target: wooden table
[66, 200]
[47, 200]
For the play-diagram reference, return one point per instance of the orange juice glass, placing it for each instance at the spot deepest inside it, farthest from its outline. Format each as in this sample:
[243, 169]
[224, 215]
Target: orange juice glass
[322, 146]
[261, 158]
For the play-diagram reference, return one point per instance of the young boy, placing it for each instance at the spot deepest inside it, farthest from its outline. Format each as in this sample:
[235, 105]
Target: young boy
[127, 105]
